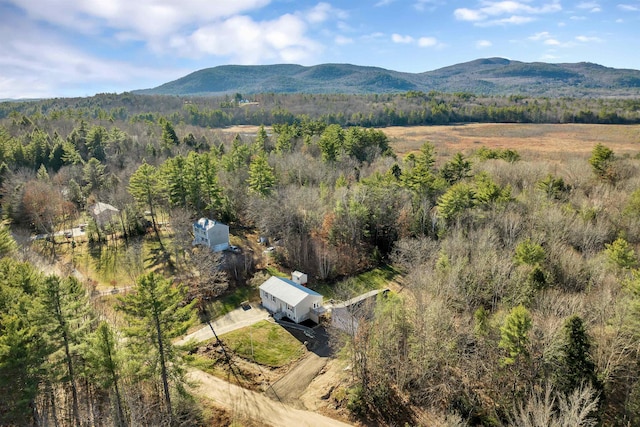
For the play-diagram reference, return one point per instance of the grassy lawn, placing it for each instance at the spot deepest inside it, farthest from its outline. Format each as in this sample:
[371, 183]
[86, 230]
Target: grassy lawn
[231, 301]
[116, 264]
[377, 278]
[266, 343]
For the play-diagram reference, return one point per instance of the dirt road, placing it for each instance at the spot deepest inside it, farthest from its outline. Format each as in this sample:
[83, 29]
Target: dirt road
[256, 406]
[289, 388]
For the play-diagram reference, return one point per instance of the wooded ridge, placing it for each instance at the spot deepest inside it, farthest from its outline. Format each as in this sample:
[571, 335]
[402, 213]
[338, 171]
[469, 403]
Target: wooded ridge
[490, 76]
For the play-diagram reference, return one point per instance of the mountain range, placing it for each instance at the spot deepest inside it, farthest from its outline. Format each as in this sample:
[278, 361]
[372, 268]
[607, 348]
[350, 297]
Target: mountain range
[490, 76]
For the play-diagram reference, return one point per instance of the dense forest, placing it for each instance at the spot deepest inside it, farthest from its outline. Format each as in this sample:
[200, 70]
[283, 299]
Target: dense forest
[521, 288]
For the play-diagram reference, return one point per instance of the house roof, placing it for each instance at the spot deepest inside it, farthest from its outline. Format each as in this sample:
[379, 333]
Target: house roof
[100, 208]
[206, 223]
[287, 290]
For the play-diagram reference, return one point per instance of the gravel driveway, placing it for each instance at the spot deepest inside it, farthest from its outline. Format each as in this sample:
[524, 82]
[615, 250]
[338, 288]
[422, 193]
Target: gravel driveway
[236, 319]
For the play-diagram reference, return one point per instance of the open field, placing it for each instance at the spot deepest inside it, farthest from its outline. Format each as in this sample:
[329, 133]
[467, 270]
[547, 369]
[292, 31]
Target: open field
[549, 141]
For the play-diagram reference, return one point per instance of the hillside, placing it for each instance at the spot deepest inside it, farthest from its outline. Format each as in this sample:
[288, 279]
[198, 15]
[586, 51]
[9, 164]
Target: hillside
[492, 76]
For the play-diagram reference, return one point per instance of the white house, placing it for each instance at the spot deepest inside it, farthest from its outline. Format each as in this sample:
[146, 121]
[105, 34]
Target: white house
[284, 297]
[212, 234]
[103, 213]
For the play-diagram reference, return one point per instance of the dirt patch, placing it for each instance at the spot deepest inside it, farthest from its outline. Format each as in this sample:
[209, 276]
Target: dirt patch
[242, 372]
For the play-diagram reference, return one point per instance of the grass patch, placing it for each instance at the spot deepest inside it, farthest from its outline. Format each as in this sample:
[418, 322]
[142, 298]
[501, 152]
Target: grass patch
[275, 272]
[377, 278]
[231, 301]
[265, 343]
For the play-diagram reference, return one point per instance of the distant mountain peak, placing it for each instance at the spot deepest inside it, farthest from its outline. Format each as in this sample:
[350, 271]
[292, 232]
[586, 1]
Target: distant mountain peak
[491, 76]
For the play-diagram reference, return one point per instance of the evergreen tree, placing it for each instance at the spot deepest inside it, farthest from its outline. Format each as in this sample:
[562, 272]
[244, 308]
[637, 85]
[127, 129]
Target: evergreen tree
[93, 175]
[456, 200]
[262, 140]
[22, 347]
[174, 173]
[104, 360]
[576, 367]
[514, 334]
[261, 176]
[621, 254]
[601, 161]
[7, 243]
[156, 314]
[331, 142]
[96, 143]
[456, 169]
[67, 316]
[145, 185]
[169, 136]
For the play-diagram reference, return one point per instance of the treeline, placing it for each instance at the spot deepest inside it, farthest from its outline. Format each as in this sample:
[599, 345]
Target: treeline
[60, 364]
[406, 109]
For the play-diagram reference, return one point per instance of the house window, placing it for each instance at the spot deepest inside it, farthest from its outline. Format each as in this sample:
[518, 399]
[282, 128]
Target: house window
[273, 297]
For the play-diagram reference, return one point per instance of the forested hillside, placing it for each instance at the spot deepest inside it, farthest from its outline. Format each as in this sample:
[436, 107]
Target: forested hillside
[520, 294]
[489, 76]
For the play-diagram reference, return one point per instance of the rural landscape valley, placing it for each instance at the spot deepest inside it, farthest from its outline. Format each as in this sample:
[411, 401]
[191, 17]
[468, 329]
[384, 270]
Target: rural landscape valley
[433, 259]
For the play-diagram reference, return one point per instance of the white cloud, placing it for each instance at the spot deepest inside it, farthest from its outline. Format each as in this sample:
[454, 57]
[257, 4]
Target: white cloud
[629, 7]
[422, 5]
[143, 19]
[483, 44]
[540, 36]
[397, 38]
[512, 20]
[187, 27]
[465, 14]
[39, 64]
[552, 42]
[427, 41]
[246, 41]
[322, 12]
[587, 39]
[420, 42]
[342, 40]
[489, 13]
[591, 6]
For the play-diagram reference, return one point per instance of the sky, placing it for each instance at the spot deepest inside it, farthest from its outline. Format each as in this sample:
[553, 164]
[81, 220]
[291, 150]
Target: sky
[66, 48]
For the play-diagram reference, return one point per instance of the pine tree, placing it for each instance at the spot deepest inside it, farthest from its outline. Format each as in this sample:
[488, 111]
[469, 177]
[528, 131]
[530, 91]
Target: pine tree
[169, 136]
[601, 161]
[456, 169]
[155, 314]
[68, 319]
[576, 366]
[514, 334]
[104, 361]
[145, 185]
[7, 243]
[22, 348]
[331, 143]
[174, 173]
[261, 176]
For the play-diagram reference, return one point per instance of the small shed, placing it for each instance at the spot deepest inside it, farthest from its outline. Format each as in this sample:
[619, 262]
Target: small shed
[211, 233]
[285, 297]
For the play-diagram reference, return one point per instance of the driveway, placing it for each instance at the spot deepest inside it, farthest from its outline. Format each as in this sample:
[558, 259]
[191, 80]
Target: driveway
[236, 319]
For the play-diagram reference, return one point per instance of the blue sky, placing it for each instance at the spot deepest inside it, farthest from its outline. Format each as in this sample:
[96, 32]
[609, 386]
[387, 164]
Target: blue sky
[53, 48]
